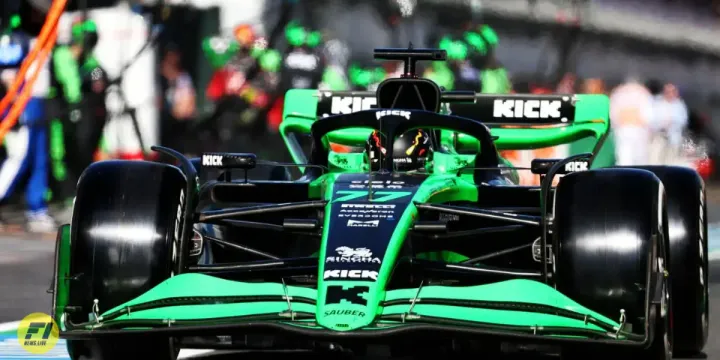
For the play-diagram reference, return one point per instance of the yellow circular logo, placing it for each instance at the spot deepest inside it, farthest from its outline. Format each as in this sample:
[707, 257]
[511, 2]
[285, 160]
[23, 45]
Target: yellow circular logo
[38, 333]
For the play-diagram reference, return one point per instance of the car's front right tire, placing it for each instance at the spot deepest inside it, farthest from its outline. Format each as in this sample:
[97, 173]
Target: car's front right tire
[609, 228]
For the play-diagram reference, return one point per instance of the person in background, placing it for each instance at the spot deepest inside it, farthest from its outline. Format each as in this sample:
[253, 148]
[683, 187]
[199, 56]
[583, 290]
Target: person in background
[26, 143]
[631, 110]
[179, 103]
[471, 64]
[335, 76]
[246, 71]
[567, 84]
[593, 86]
[78, 109]
[303, 67]
[667, 126]
[367, 78]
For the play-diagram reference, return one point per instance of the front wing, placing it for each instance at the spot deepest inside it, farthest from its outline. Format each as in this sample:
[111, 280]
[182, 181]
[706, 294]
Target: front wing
[197, 303]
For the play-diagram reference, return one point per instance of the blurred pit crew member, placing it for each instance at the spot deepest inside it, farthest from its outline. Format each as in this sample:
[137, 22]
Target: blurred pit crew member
[303, 67]
[78, 108]
[235, 60]
[667, 126]
[471, 63]
[26, 143]
[631, 110]
[365, 78]
[335, 77]
[179, 104]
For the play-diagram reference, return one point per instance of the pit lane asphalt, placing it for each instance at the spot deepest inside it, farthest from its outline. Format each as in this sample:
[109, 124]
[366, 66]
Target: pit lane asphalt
[26, 268]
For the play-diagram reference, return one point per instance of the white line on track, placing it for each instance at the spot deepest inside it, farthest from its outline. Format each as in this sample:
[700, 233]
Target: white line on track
[9, 326]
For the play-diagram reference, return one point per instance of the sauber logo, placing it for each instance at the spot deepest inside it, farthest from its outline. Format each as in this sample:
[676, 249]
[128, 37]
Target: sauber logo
[358, 255]
[381, 113]
[345, 312]
[576, 166]
[350, 274]
[212, 160]
[531, 109]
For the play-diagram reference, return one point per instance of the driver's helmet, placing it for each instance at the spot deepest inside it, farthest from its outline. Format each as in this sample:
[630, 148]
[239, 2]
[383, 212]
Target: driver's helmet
[411, 150]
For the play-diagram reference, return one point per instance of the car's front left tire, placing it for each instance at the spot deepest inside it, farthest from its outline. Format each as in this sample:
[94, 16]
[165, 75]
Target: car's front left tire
[124, 239]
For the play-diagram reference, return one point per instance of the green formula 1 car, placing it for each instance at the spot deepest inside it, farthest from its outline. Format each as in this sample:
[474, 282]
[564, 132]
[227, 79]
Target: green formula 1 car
[405, 229]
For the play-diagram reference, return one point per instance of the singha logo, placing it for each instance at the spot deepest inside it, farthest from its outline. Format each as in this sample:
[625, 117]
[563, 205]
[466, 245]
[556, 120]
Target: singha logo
[348, 254]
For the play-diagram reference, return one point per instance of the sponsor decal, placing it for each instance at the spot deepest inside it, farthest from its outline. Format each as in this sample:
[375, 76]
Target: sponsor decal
[351, 104]
[363, 223]
[382, 113]
[212, 160]
[378, 196]
[376, 184]
[530, 109]
[347, 254]
[345, 312]
[350, 274]
[353, 294]
[575, 166]
[367, 211]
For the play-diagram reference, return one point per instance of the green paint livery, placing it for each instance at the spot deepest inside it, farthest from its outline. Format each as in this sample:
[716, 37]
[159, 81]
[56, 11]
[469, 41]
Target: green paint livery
[366, 303]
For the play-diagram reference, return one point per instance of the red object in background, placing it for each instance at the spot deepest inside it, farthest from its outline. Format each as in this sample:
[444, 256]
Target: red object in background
[218, 85]
[274, 116]
[540, 90]
[137, 155]
[705, 168]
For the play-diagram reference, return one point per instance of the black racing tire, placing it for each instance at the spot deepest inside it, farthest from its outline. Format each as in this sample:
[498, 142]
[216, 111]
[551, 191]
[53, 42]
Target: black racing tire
[125, 227]
[609, 241]
[687, 209]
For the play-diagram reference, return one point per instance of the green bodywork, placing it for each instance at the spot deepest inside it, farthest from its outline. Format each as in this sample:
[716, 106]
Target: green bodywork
[188, 298]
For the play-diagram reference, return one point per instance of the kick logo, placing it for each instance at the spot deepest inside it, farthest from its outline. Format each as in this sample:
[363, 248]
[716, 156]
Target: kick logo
[212, 160]
[382, 113]
[353, 255]
[575, 166]
[350, 274]
[349, 105]
[530, 109]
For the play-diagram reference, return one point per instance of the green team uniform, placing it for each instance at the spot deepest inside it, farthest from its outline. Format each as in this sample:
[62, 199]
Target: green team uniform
[79, 112]
[474, 66]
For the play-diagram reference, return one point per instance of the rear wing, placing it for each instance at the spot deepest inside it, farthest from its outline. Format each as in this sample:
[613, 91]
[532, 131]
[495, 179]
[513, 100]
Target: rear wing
[518, 121]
